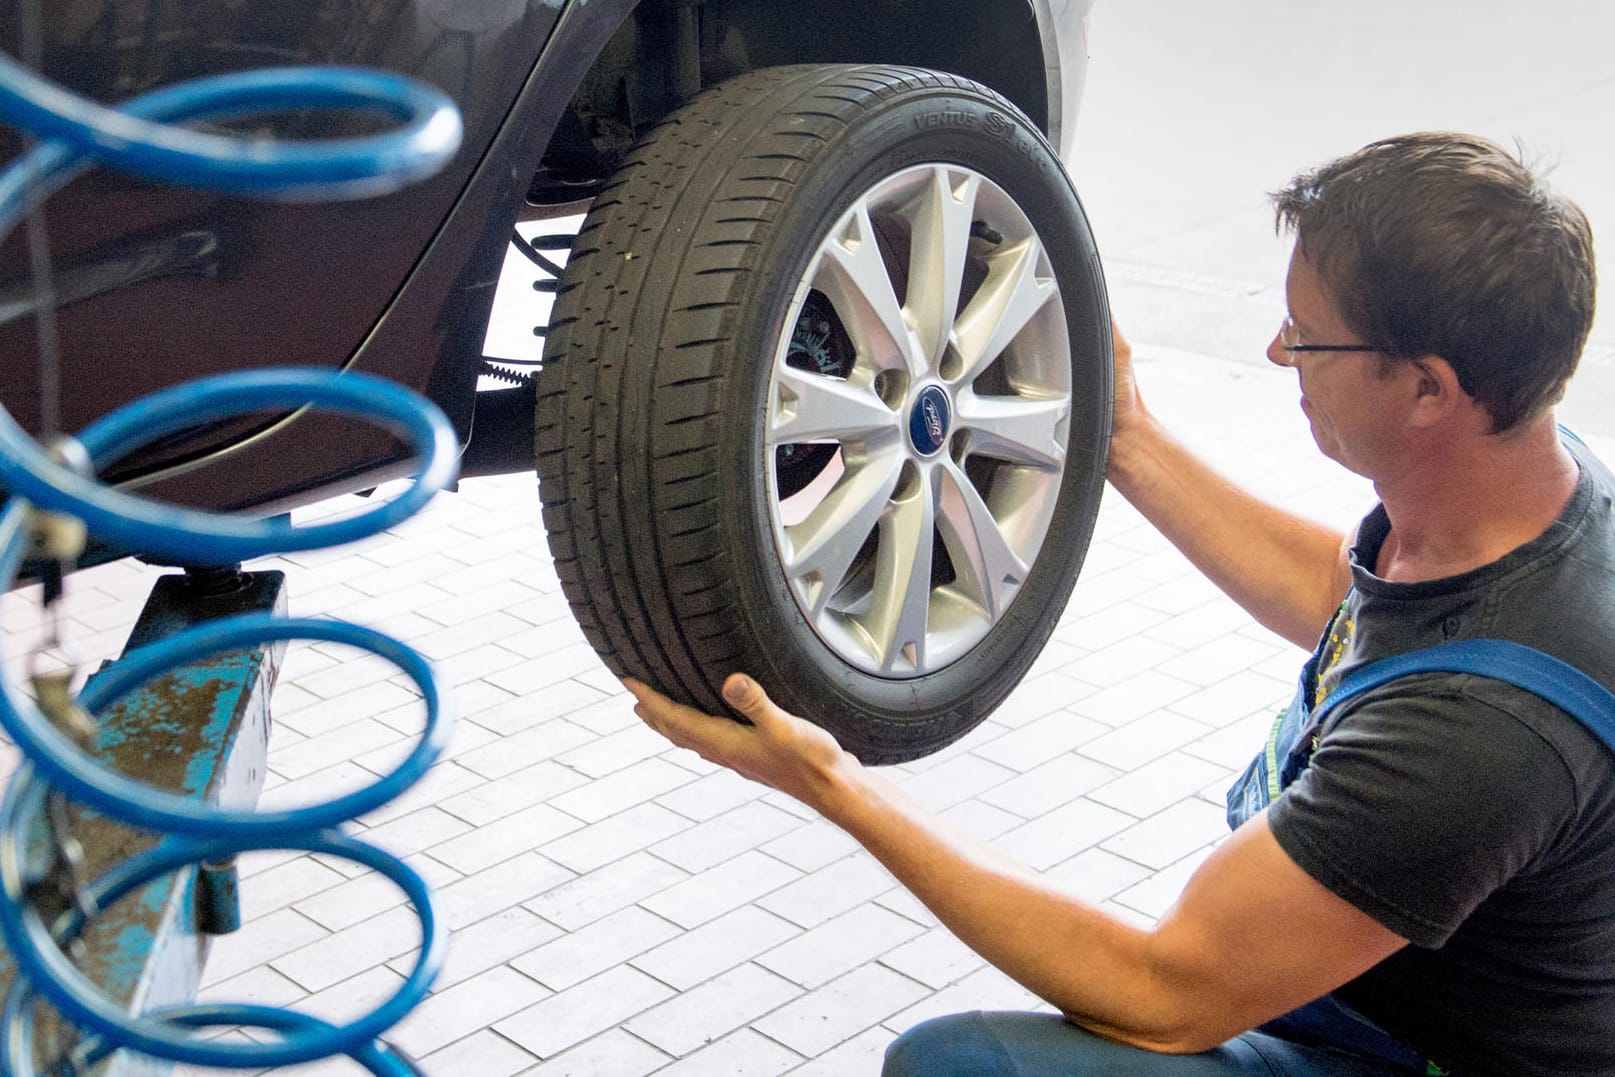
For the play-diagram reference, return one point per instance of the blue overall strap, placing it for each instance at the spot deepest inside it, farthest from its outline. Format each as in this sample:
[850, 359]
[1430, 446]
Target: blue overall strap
[1560, 683]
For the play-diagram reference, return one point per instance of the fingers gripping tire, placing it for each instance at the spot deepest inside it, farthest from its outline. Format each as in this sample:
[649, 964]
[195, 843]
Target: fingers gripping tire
[826, 397]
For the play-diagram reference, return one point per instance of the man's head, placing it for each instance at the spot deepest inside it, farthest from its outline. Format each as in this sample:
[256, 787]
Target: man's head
[1445, 244]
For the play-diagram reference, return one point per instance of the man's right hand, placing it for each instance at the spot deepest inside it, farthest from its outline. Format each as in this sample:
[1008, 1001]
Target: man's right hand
[1287, 572]
[1129, 403]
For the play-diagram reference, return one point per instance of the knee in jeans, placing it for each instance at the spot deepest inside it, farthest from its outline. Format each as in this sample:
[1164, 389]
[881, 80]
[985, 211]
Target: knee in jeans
[958, 1045]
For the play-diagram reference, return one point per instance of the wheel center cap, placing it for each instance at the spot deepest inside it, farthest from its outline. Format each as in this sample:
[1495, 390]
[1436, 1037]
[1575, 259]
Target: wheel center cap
[929, 422]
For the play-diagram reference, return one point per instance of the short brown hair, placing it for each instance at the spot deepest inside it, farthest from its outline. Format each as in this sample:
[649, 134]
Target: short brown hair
[1447, 244]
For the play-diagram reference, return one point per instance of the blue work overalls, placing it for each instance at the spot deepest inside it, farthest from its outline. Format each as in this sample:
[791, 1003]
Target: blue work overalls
[1293, 739]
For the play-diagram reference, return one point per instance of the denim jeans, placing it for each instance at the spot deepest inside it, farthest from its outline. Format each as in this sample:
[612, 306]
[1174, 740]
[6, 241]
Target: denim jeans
[1045, 1045]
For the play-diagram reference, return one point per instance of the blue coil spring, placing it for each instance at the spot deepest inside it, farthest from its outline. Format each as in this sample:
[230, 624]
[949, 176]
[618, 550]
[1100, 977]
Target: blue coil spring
[140, 137]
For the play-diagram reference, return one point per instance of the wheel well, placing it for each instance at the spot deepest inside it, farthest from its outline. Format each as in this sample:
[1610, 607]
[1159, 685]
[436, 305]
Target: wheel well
[667, 50]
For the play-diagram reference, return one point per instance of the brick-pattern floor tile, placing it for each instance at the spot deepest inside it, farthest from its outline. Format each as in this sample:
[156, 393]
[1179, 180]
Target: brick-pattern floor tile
[491, 941]
[348, 1000]
[485, 846]
[258, 943]
[261, 986]
[907, 906]
[1238, 696]
[456, 1012]
[728, 886]
[981, 820]
[1042, 739]
[589, 951]
[830, 890]
[610, 839]
[352, 902]
[840, 1009]
[1048, 785]
[1170, 834]
[813, 846]
[1138, 697]
[538, 742]
[862, 1054]
[717, 946]
[937, 958]
[1236, 744]
[1157, 784]
[339, 955]
[1062, 833]
[1223, 656]
[1096, 875]
[1155, 894]
[605, 890]
[508, 883]
[743, 1054]
[839, 945]
[416, 831]
[704, 845]
[286, 884]
[985, 989]
[484, 1054]
[955, 780]
[611, 1054]
[491, 800]
[1142, 740]
[574, 1015]
[1114, 664]
[602, 798]
[1039, 694]
[705, 797]
[711, 1011]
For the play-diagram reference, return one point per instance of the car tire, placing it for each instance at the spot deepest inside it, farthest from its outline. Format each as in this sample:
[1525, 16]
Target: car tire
[771, 439]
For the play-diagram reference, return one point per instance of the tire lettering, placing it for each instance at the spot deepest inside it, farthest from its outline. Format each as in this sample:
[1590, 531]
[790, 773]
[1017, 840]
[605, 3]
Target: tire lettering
[948, 117]
[1001, 126]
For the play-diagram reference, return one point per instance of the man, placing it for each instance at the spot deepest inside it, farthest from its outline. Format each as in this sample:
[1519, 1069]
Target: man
[1446, 858]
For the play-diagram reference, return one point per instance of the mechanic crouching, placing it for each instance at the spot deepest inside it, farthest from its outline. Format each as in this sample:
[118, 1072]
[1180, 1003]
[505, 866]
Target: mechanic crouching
[1424, 883]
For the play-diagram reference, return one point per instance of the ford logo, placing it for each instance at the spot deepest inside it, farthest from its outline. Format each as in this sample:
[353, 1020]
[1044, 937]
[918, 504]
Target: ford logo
[928, 422]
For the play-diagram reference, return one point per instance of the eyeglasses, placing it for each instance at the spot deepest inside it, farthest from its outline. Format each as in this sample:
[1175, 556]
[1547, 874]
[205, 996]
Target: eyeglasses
[1290, 341]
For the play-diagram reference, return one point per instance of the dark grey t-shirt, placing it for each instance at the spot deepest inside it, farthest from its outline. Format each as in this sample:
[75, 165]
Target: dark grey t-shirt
[1470, 817]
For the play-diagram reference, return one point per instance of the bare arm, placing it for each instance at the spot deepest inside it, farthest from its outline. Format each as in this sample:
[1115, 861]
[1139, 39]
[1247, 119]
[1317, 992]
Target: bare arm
[1221, 961]
[1288, 573]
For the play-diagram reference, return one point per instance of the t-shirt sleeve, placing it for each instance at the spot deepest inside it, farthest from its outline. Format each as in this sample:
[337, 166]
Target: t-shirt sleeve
[1422, 800]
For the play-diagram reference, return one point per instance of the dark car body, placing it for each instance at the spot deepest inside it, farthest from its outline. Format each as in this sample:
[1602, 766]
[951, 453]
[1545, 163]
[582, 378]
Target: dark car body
[156, 285]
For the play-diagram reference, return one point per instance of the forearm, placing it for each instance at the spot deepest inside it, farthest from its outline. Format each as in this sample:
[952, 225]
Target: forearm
[1096, 967]
[1211, 967]
[1286, 571]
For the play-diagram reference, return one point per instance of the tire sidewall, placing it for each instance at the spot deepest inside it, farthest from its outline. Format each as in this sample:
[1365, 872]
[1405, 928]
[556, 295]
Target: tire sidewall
[893, 718]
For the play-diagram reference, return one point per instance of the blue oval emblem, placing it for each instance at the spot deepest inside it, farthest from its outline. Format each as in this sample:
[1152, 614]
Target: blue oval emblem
[929, 421]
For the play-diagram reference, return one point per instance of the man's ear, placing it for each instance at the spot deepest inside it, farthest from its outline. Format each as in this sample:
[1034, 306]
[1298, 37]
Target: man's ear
[1438, 396]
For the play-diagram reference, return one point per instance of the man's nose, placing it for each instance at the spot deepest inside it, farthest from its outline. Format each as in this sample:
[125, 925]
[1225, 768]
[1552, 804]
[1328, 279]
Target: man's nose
[1277, 354]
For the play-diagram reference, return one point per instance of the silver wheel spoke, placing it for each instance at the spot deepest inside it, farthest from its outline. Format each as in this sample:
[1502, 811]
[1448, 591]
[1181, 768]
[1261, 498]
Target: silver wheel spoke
[861, 290]
[899, 610]
[941, 241]
[1017, 429]
[813, 407]
[987, 567]
[823, 546]
[1007, 300]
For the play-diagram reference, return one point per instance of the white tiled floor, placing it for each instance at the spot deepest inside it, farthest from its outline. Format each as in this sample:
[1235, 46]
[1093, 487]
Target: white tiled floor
[621, 908]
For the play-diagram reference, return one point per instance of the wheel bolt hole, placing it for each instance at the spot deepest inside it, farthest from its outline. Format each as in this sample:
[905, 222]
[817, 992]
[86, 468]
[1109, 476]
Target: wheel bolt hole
[959, 446]
[892, 388]
[908, 482]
